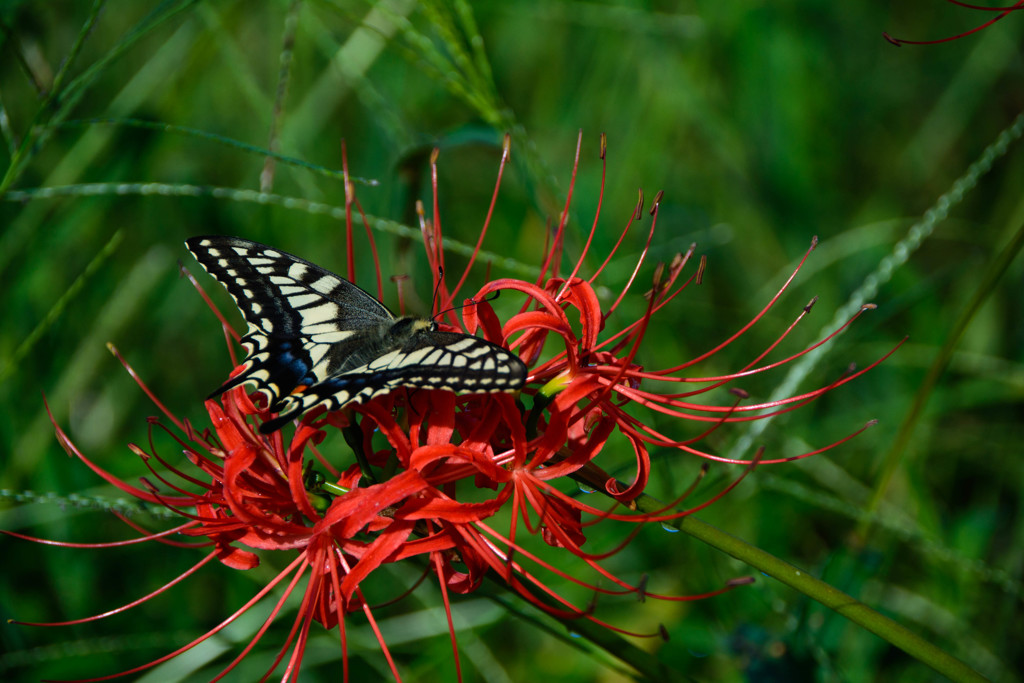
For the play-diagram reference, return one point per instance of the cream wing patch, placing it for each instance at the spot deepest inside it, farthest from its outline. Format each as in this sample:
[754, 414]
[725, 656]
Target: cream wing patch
[315, 339]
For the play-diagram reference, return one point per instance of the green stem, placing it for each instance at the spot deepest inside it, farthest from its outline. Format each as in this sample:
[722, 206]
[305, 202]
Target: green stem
[354, 438]
[646, 664]
[996, 271]
[37, 129]
[816, 589]
[827, 595]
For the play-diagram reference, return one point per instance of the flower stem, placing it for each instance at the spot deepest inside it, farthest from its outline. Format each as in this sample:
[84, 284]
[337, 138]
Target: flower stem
[827, 595]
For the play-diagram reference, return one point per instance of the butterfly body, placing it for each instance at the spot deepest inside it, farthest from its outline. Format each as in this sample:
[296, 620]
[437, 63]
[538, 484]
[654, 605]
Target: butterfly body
[315, 339]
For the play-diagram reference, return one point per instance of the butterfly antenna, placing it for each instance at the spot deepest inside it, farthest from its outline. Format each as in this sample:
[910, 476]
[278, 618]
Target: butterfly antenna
[472, 302]
[437, 290]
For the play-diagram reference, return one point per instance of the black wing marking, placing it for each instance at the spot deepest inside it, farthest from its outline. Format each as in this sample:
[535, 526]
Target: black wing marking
[304, 321]
[315, 339]
[431, 359]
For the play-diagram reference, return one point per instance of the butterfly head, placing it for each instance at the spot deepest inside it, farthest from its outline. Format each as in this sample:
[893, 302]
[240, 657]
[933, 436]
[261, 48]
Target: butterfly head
[404, 329]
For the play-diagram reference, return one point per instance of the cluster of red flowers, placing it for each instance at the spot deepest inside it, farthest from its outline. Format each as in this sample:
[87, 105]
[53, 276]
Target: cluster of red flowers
[433, 469]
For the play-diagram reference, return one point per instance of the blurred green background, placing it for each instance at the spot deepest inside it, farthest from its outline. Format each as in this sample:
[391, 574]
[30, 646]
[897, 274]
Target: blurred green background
[764, 125]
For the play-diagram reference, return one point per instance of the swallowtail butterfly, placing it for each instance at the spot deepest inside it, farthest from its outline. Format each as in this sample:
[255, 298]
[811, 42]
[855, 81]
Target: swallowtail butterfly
[316, 339]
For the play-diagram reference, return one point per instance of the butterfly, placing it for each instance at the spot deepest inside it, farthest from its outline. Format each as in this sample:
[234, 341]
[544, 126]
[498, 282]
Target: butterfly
[316, 339]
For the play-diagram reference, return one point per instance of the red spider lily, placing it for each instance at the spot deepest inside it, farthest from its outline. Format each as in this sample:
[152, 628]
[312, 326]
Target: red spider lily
[1000, 12]
[435, 473]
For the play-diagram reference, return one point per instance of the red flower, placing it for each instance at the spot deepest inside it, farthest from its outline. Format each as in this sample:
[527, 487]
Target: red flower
[433, 469]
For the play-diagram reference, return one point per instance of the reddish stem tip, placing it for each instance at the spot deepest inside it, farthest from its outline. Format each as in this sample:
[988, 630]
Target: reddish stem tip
[657, 200]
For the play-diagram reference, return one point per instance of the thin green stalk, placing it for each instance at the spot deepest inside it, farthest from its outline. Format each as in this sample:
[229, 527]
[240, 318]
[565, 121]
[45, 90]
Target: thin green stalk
[61, 100]
[901, 253]
[847, 606]
[995, 272]
[73, 290]
[283, 76]
[219, 139]
[252, 196]
[36, 128]
[647, 664]
[76, 88]
[76, 47]
[19, 54]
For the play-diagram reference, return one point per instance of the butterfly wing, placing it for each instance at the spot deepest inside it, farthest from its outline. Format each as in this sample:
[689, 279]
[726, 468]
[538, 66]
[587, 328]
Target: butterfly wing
[315, 339]
[423, 358]
[305, 323]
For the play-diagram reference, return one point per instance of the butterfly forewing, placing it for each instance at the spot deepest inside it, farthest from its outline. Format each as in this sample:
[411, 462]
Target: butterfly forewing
[316, 339]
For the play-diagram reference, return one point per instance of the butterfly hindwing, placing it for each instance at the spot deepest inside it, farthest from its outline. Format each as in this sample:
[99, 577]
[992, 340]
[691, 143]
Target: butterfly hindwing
[315, 339]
